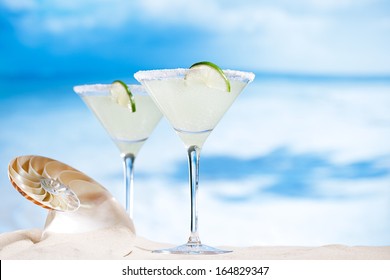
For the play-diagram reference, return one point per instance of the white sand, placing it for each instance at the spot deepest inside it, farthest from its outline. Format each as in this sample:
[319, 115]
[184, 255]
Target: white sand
[121, 243]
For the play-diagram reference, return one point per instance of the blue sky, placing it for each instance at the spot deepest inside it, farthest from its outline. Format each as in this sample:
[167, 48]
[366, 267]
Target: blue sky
[304, 150]
[112, 36]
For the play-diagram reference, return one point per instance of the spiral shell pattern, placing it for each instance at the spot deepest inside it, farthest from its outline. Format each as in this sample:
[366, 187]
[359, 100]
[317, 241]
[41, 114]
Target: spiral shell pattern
[46, 182]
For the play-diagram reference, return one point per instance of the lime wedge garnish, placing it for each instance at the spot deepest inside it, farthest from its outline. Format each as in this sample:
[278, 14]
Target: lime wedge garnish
[210, 74]
[122, 95]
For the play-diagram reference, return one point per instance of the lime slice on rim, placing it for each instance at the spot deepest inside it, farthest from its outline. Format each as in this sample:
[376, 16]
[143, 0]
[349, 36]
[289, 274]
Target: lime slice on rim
[210, 74]
[122, 95]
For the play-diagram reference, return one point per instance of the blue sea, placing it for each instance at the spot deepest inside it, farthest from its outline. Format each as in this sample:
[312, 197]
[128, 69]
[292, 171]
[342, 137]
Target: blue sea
[297, 160]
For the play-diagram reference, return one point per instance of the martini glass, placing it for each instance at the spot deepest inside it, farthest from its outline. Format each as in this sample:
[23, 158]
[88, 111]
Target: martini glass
[129, 130]
[193, 107]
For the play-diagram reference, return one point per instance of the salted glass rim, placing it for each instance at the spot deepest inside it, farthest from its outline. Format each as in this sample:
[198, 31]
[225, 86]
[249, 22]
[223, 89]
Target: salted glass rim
[178, 73]
[104, 89]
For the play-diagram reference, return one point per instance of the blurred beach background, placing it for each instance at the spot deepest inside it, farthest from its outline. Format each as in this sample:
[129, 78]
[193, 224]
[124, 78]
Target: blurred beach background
[301, 158]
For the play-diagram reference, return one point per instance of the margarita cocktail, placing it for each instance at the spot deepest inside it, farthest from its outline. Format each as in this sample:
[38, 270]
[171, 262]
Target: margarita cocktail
[194, 100]
[129, 120]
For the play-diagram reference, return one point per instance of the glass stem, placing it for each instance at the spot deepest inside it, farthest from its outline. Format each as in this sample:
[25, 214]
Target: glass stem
[193, 162]
[128, 164]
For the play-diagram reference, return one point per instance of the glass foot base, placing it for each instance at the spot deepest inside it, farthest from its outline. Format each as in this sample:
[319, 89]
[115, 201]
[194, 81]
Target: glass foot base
[192, 249]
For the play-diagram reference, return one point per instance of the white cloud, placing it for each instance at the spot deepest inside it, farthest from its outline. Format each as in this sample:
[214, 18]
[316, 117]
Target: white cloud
[326, 6]
[61, 17]
[20, 4]
[309, 35]
[321, 36]
[367, 187]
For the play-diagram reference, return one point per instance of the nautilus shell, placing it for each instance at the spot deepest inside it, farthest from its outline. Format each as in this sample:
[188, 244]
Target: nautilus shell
[76, 202]
[46, 182]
